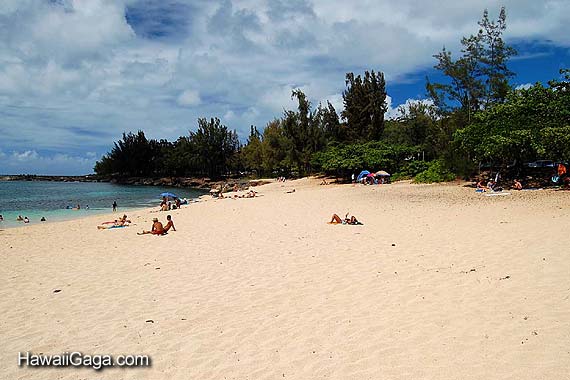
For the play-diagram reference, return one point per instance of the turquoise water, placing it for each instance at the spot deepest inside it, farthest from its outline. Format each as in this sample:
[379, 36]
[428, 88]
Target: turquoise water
[55, 200]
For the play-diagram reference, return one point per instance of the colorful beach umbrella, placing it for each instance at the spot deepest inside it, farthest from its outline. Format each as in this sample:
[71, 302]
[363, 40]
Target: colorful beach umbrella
[382, 173]
[168, 195]
[362, 174]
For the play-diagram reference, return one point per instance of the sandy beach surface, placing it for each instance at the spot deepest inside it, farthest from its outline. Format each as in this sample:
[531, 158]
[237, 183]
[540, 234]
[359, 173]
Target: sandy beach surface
[439, 283]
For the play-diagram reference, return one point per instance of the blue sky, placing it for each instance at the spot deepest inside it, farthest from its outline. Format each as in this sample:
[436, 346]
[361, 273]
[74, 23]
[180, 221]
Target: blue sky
[75, 74]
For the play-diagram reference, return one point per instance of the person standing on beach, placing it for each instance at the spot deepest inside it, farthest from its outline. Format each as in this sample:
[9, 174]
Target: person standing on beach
[114, 206]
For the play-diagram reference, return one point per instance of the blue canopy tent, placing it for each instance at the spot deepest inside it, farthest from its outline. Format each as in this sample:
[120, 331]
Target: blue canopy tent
[362, 174]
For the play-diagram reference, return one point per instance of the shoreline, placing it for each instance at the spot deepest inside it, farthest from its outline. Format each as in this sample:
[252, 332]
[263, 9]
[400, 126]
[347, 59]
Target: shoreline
[56, 201]
[92, 213]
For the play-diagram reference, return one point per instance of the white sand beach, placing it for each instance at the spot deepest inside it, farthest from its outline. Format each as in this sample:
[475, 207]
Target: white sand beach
[439, 283]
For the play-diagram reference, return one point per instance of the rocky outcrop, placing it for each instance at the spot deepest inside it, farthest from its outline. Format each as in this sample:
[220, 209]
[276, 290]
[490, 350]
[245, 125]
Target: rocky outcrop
[182, 182]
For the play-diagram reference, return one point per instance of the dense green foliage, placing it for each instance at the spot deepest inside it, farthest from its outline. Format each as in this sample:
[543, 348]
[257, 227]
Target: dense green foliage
[350, 158]
[436, 171]
[364, 106]
[472, 117]
[531, 124]
[134, 155]
[211, 150]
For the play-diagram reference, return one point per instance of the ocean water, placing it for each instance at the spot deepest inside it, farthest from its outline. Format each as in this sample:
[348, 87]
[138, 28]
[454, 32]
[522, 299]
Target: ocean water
[55, 200]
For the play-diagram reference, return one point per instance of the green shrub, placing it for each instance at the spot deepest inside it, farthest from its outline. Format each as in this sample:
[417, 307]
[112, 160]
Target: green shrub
[400, 177]
[436, 172]
[410, 169]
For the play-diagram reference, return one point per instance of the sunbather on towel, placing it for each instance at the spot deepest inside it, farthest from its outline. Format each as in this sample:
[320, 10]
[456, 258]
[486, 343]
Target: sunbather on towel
[337, 220]
[121, 222]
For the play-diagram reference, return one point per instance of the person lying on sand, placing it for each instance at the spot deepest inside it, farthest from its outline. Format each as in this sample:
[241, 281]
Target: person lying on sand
[337, 220]
[124, 219]
[169, 224]
[121, 222]
[157, 228]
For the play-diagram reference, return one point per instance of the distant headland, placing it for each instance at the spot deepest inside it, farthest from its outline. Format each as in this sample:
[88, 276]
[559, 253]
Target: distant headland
[182, 182]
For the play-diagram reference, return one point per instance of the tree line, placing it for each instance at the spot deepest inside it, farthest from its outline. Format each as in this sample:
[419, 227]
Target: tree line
[474, 116]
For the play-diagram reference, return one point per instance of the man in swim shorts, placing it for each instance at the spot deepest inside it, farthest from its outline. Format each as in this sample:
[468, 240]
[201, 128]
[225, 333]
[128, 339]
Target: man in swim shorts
[157, 228]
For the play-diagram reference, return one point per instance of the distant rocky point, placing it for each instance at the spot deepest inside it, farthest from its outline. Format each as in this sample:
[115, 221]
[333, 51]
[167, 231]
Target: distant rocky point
[33, 177]
[200, 183]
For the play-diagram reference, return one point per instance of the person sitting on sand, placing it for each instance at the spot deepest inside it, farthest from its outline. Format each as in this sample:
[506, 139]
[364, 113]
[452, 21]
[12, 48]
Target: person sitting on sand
[19, 218]
[481, 185]
[169, 224]
[26, 220]
[1, 218]
[324, 182]
[517, 185]
[43, 219]
[157, 228]
[561, 170]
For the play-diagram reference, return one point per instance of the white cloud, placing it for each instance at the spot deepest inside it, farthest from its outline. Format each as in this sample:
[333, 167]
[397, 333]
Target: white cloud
[28, 155]
[524, 86]
[31, 162]
[278, 98]
[75, 74]
[189, 98]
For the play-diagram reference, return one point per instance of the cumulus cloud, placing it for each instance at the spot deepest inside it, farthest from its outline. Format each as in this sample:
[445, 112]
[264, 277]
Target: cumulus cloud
[397, 111]
[524, 86]
[75, 74]
[189, 98]
[28, 155]
[32, 162]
